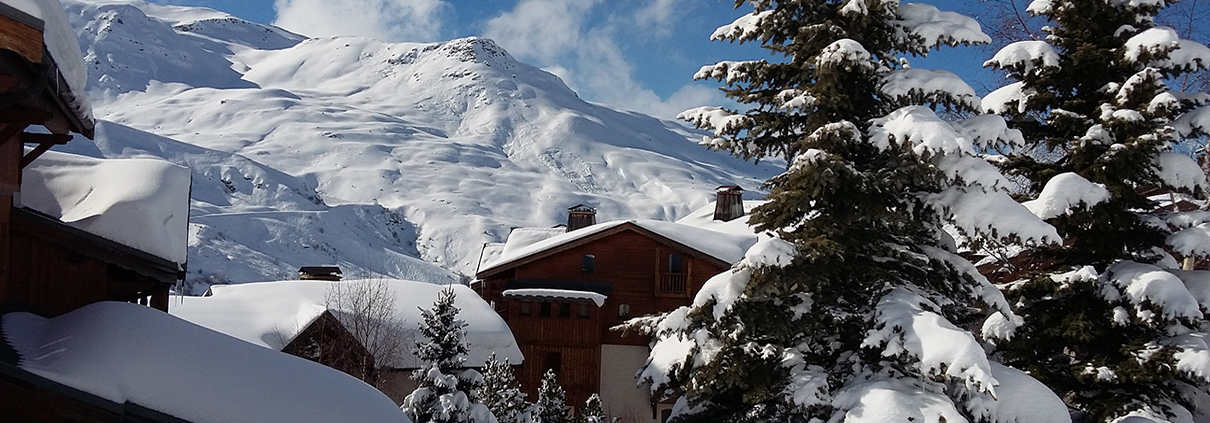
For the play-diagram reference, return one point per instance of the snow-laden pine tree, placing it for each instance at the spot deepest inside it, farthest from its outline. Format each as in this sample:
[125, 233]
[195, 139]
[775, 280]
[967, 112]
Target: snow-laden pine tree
[592, 412]
[853, 307]
[1111, 325]
[447, 389]
[501, 392]
[552, 401]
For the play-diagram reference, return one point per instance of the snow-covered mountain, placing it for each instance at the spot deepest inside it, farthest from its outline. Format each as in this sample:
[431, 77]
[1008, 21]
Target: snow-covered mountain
[389, 158]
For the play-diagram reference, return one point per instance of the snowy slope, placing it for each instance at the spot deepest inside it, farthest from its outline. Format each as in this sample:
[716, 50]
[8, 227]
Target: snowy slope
[455, 142]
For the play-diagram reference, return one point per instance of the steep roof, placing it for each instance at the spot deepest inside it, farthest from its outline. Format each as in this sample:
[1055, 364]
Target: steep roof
[127, 353]
[271, 314]
[721, 246]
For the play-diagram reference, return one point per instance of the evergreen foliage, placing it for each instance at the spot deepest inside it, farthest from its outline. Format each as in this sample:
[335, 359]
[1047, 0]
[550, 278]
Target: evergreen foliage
[1100, 103]
[844, 307]
[501, 392]
[448, 390]
[552, 401]
[592, 412]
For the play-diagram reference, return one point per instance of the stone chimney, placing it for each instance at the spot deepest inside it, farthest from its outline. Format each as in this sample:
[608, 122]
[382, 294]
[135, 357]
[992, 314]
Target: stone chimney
[730, 204]
[580, 216]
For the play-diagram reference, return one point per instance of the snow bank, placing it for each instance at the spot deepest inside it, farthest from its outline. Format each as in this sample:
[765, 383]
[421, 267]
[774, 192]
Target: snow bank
[126, 352]
[1064, 192]
[271, 314]
[728, 247]
[140, 203]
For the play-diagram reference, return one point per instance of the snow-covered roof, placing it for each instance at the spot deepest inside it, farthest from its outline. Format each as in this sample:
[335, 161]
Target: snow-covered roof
[130, 353]
[565, 294]
[140, 203]
[63, 46]
[704, 218]
[271, 314]
[724, 246]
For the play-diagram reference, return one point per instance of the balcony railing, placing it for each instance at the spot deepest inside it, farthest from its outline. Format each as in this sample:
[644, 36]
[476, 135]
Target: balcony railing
[674, 283]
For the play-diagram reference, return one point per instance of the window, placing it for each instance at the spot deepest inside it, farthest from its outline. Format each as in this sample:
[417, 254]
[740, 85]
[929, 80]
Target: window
[675, 263]
[624, 311]
[554, 361]
[583, 311]
[588, 264]
[526, 308]
[545, 310]
[564, 310]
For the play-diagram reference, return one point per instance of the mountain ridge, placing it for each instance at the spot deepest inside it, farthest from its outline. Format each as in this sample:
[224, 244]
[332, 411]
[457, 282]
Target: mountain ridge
[457, 140]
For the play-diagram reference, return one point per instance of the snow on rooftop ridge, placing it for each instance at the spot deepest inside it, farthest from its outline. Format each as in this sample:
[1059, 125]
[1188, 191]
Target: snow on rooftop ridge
[271, 314]
[728, 247]
[126, 352]
[140, 203]
[570, 294]
[63, 46]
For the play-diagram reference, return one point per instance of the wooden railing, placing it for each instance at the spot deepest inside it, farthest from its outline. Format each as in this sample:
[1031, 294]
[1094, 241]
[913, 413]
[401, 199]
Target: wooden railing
[673, 283]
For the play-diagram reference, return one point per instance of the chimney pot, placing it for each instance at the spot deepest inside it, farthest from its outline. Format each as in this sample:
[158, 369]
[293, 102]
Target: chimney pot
[580, 216]
[730, 203]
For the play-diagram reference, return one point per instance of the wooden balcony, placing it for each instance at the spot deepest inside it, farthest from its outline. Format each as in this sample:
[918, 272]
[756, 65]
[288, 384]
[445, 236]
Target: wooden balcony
[673, 285]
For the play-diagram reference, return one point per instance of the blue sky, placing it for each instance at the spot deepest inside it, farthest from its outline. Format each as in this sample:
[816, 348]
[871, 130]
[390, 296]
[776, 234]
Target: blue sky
[630, 54]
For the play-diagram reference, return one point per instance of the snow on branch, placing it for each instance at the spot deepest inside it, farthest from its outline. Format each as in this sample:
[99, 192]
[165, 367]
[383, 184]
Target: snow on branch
[993, 215]
[936, 27]
[745, 28]
[727, 71]
[1193, 123]
[1008, 99]
[1162, 47]
[1025, 57]
[989, 132]
[907, 324]
[1180, 171]
[922, 128]
[1194, 241]
[1065, 192]
[1145, 284]
[846, 54]
[935, 86]
[721, 120]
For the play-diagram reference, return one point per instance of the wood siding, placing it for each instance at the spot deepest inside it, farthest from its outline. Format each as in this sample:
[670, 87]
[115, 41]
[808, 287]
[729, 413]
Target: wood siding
[632, 263]
[54, 270]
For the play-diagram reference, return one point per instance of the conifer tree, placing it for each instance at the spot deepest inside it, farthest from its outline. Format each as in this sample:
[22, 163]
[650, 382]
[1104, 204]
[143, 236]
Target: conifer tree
[447, 389]
[501, 392]
[1108, 326]
[552, 401]
[854, 304]
[592, 412]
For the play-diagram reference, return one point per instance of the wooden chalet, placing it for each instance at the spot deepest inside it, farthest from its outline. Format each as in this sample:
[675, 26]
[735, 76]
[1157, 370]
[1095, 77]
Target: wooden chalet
[46, 266]
[561, 295]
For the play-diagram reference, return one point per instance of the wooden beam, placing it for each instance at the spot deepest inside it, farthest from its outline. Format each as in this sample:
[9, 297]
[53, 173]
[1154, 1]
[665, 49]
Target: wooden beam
[23, 39]
[29, 158]
[53, 139]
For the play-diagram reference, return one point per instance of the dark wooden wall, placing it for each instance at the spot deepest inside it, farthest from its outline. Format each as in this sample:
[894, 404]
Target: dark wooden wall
[54, 269]
[631, 262]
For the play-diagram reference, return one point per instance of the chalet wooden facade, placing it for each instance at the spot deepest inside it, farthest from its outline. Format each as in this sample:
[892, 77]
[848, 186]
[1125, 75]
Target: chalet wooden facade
[551, 299]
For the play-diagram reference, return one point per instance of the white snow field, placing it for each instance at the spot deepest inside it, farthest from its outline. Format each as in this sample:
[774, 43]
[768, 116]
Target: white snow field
[365, 154]
[126, 352]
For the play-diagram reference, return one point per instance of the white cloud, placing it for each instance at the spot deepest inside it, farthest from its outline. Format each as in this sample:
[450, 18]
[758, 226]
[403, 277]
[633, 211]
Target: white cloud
[388, 20]
[554, 35]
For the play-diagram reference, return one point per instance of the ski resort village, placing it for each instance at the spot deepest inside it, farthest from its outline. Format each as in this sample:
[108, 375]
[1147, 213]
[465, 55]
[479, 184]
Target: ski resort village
[487, 211]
